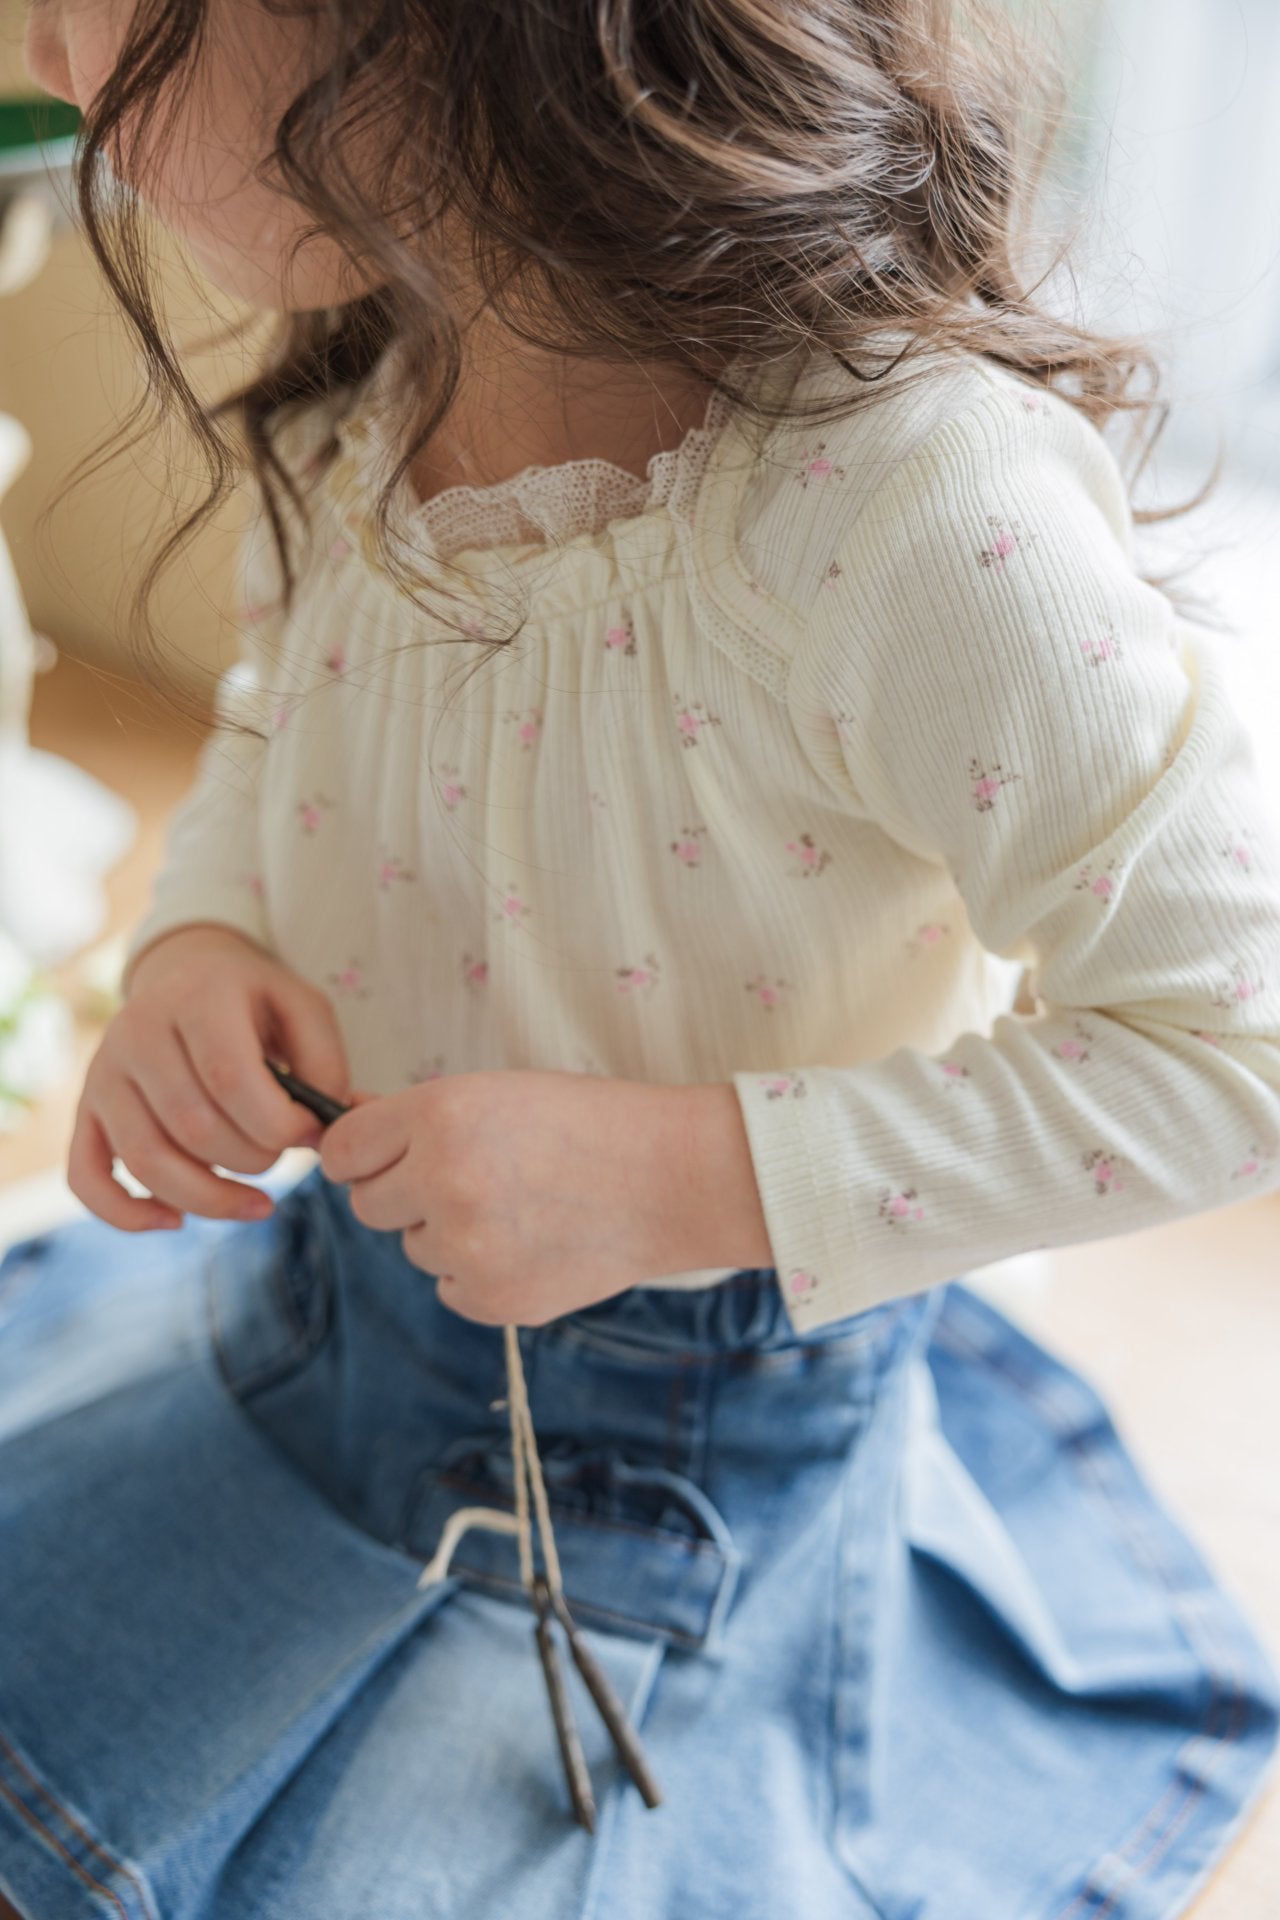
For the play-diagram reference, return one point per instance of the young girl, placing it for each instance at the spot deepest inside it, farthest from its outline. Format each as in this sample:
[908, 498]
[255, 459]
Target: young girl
[693, 660]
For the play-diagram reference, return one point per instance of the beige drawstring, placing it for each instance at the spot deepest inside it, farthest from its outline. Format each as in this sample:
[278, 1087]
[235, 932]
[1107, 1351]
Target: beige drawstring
[546, 1595]
[526, 1466]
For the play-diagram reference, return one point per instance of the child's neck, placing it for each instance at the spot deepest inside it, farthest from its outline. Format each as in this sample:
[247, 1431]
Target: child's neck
[518, 405]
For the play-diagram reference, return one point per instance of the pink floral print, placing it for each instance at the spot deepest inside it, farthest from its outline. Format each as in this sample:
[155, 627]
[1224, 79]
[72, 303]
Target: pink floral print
[900, 1208]
[1105, 1168]
[985, 783]
[927, 934]
[1243, 987]
[1007, 542]
[621, 638]
[391, 867]
[349, 981]
[1102, 884]
[513, 908]
[802, 1285]
[953, 1072]
[691, 718]
[768, 992]
[1076, 1046]
[810, 859]
[686, 848]
[782, 1086]
[1256, 1161]
[638, 979]
[1237, 852]
[451, 790]
[818, 465]
[310, 812]
[530, 725]
[1107, 647]
[475, 973]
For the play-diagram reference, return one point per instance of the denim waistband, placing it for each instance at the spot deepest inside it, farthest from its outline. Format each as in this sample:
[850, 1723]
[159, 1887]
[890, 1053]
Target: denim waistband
[745, 1310]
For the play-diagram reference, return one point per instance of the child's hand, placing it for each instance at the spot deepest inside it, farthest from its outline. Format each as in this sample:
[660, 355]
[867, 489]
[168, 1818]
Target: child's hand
[529, 1194]
[178, 1084]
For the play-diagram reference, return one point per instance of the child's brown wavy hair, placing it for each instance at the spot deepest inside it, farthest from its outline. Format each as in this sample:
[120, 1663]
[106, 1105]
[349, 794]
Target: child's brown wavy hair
[683, 181]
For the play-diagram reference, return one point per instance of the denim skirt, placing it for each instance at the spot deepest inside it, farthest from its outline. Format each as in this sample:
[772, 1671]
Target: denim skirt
[903, 1631]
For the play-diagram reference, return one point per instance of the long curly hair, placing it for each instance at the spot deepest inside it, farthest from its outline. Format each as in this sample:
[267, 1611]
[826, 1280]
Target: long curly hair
[683, 182]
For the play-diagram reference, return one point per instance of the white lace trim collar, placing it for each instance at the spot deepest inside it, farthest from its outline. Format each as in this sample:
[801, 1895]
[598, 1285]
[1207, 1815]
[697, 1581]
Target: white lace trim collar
[536, 505]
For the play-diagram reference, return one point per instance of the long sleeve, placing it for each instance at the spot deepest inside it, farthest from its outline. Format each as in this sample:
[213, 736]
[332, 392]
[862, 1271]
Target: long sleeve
[212, 868]
[987, 679]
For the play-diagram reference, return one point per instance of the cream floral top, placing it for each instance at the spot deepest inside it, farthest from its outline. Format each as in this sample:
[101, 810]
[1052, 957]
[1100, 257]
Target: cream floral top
[812, 741]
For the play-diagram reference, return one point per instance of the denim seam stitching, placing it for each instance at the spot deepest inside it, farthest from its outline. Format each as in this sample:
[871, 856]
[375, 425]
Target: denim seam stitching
[1224, 1687]
[33, 1819]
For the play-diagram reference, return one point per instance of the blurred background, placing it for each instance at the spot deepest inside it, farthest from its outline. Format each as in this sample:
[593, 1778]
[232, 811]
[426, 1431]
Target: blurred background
[1167, 168]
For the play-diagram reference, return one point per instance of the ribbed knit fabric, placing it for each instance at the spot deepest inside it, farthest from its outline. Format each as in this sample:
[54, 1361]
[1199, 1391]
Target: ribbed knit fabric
[812, 739]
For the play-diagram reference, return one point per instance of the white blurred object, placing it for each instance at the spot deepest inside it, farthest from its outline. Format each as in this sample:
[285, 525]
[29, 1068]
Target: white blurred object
[36, 1034]
[60, 829]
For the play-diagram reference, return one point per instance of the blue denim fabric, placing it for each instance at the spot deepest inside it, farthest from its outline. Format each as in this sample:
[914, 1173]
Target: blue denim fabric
[903, 1629]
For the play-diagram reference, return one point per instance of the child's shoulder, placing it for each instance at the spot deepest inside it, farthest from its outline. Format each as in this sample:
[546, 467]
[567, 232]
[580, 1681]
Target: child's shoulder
[941, 418]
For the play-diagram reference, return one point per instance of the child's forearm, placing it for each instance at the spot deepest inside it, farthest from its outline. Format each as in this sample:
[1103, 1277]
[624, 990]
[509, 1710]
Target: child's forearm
[722, 1220]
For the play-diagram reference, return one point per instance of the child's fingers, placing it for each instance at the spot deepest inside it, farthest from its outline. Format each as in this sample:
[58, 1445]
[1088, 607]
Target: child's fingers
[89, 1176]
[188, 1113]
[166, 1171]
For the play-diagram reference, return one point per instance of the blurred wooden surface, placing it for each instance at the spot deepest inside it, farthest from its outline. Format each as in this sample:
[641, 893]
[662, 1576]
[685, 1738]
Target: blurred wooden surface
[1179, 1328]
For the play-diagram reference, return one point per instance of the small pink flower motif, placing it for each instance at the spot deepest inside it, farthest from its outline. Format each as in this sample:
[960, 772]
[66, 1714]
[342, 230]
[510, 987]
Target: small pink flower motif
[985, 785]
[280, 717]
[340, 549]
[1101, 885]
[309, 811]
[812, 860]
[1105, 1168]
[767, 992]
[832, 574]
[927, 934]
[621, 638]
[1253, 1163]
[690, 721]
[391, 869]
[1243, 988]
[529, 726]
[475, 973]
[1210, 1039]
[452, 791]
[1072, 1049]
[1007, 541]
[818, 465]
[686, 848]
[254, 882]
[1237, 852]
[634, 979]
[800, 1285]
[776, 1086]
[513, 907]
[350, 980]
[1096, 651]
[900, 1209]
[1035, 403]
[336, 660]
[953, 1071]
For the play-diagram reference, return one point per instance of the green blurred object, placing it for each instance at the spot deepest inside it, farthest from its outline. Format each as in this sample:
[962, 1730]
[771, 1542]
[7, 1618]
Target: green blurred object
[36, 135]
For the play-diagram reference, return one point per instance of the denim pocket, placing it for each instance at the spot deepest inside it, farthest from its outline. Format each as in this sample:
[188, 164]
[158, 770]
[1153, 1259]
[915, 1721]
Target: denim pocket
[642, 1549]
[269, 1293]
